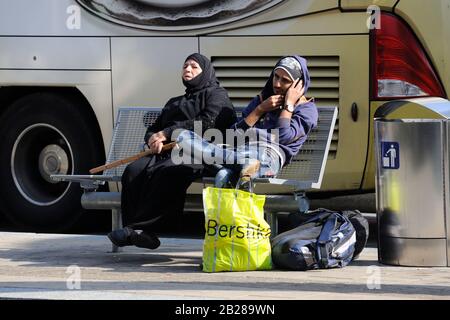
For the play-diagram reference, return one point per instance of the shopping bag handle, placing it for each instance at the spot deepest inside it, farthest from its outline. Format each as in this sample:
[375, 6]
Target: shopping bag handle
[238, 183]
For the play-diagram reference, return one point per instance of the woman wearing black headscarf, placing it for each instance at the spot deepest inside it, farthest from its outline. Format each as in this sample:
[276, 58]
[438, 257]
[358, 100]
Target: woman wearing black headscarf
[154, 186]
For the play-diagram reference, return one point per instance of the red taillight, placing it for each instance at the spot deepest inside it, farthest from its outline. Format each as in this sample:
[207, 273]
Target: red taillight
[400, 67]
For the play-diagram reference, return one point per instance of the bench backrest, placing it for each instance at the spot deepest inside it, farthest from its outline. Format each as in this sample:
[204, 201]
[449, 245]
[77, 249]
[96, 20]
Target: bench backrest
[307, 168]
[128, 134]
[305, 171]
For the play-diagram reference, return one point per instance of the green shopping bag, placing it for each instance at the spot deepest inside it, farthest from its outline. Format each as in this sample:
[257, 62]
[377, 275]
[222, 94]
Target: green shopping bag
[237, 238]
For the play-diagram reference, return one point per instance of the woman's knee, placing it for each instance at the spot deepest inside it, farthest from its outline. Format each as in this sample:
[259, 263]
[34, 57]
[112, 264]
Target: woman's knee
[185, 137]
[133, 170]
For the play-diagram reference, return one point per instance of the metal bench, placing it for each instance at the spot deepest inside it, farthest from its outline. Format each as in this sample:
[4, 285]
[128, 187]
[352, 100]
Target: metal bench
[304, 173]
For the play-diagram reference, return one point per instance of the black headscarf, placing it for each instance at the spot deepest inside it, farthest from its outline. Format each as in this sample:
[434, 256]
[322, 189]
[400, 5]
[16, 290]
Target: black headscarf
[205, 100]
[205, 79]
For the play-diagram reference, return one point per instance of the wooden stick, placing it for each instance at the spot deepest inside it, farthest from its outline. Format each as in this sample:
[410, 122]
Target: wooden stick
[129, 159]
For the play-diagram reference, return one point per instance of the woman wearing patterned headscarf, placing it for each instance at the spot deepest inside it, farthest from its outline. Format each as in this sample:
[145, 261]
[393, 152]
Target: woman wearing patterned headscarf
[154, 186]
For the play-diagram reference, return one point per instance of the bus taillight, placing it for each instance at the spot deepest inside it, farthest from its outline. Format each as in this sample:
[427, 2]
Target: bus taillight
[399, 65]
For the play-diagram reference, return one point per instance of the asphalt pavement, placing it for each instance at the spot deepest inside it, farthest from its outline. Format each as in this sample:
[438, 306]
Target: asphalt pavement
[82, 267]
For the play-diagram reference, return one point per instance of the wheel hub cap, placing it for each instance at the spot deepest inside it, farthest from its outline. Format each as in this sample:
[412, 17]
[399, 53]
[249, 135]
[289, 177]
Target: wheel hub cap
[53, 160]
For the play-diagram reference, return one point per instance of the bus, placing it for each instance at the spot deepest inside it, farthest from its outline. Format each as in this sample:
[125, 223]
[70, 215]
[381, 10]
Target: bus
[66, 66]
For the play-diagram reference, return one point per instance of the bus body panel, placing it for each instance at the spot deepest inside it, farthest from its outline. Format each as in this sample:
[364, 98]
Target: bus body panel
[141, 77]
[55, 53]
[94, 85]
[321, 23]
[364, 4]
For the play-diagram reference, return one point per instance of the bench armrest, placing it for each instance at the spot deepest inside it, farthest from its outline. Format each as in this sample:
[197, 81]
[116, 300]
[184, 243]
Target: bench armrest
[298, 185]
[87, 182]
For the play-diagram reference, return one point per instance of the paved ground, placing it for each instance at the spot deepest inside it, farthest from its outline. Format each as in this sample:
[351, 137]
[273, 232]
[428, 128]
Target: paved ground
[46, 266]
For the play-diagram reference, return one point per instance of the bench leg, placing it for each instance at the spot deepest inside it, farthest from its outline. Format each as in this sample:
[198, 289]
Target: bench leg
[116, 224]
[303, 202]
[272, 220]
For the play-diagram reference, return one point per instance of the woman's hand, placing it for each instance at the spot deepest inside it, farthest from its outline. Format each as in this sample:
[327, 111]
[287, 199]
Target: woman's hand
[295, 92]
[271, 103]
[155, 142]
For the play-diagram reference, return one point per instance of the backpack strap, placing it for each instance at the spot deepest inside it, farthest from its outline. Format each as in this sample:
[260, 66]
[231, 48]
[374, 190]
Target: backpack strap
[324, 238]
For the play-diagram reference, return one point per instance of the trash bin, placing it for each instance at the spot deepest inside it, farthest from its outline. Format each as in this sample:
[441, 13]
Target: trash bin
[412, 146]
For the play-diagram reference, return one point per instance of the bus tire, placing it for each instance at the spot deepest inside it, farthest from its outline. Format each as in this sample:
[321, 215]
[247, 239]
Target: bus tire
[44, 133]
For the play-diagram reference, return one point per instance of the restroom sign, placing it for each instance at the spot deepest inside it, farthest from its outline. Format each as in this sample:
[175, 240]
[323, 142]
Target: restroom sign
[390, 155]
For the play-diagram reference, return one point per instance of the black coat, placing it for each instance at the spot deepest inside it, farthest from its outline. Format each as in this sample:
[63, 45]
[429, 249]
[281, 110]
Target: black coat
[154, 186]
[211, 106]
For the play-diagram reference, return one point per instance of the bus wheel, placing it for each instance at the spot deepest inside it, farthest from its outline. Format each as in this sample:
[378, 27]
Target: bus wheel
[44, 134]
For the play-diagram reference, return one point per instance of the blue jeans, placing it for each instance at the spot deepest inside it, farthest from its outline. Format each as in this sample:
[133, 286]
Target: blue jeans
[199, 150]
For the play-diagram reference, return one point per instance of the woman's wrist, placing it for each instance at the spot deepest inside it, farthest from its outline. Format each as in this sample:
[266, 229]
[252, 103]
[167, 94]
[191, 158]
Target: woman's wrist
[290, 102]
[254, 116]
[259, 111]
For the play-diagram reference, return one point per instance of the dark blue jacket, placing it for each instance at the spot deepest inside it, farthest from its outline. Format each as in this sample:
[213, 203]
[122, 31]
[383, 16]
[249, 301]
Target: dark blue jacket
[293, 133]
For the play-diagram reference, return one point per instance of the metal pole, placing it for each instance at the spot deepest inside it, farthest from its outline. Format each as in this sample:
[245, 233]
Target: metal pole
[116, 224]
[272, 220]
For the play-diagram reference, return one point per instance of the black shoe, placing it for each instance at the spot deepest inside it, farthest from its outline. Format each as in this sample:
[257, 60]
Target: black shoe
[145, 239]
[121, 237]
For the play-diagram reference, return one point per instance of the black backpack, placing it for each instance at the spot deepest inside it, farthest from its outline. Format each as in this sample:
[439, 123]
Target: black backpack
[361, 226]
[323, 239]
[358, 221]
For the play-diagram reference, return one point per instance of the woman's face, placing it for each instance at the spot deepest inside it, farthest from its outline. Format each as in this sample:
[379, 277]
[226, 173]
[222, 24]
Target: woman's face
[191, 69]
[281, 81]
